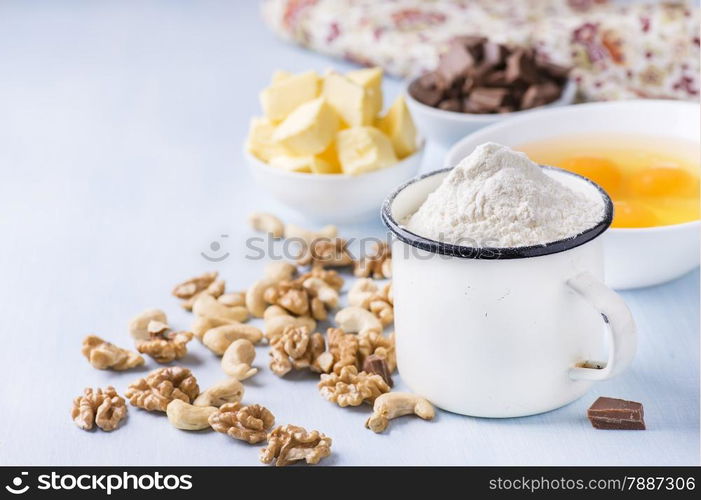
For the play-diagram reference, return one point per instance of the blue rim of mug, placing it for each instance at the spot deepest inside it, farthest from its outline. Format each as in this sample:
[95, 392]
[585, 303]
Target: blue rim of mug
[494, 253]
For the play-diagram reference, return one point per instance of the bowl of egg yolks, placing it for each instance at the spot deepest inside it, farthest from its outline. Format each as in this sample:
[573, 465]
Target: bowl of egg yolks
[645, 154]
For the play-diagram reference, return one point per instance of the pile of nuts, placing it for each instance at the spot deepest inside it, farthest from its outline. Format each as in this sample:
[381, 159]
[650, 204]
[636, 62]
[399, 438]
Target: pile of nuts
[354, 359]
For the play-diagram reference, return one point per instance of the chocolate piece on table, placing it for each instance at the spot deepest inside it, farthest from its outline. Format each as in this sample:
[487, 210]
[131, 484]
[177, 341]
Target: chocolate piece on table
[450, 105]
[428, 89]
[520, 66]
[377, 365]
[616, 414]
[539, 94]
[455, 63]
[487, 99]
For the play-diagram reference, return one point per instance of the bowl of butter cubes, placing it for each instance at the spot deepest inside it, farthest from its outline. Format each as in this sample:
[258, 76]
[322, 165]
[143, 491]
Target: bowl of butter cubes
[325, 147]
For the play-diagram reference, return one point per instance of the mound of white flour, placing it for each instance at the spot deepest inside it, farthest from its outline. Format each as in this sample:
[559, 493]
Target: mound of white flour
[497, 197]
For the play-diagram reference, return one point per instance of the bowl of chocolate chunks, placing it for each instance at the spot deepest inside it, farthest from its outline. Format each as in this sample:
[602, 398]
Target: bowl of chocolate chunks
[478, 82]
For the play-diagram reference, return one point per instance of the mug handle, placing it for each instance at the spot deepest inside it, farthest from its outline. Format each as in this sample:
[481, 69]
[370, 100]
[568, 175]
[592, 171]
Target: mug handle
[621, 331]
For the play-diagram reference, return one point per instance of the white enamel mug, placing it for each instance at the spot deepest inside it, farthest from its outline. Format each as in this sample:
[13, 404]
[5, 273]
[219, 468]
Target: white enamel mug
[504, 332]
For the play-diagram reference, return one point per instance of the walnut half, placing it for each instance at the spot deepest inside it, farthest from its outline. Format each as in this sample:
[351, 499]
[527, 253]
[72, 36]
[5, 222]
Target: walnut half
[104, 408]
[161, 386]
[297, 349]
[191, 289]
[164, 345]
[377, 264]
[247, 423]
[325, 252]
[352, 388]
[342, 351]
[290, 443]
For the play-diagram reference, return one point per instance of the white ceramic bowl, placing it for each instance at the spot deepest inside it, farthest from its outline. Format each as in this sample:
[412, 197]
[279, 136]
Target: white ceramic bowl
[334, 198]
[448, 127]
[633, 257]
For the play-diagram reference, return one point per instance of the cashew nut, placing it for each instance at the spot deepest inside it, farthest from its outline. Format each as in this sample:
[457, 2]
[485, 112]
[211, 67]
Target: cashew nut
[255, 302]
[237, 359]
[138, 326]
[267, 223]
[189, 417]
[362, 292]
[278, 271]
[395, 404]
[209, 307]
[356, 319]
[219, 338]
[388, 291]
[294, 231]
[276, 319]
[274, 310]
[201, 325]
[275, 272]
[226, 391]
[322, 290]
[233, 299]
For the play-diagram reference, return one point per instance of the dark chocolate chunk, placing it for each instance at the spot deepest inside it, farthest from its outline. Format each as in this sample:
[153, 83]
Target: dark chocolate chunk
[494, 54]
[474, 44]
[468, 107]
[377, 365]
[468, 85]
[520, 66]
[450, 105]
[479, 76]
[616, 414]
[455, 63]
[455, 92]
[556, 71]
[495, 79]
[540, 94]
[428, 89]
[468, 41]
[505, 109]
[487, 99]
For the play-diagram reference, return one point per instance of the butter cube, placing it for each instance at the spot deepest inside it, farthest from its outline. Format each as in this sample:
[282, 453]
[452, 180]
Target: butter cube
[329, 163]
[309, 129]
[350, 100]
[286, 93]
[364, 149]
[279, 75]
[304, 164]
[371, 80]
[400, 128]
[260, 140]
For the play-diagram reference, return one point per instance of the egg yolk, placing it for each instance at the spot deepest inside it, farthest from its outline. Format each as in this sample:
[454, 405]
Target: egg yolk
[652, 181]
[632, 214]
[663, 182]
[600, 170]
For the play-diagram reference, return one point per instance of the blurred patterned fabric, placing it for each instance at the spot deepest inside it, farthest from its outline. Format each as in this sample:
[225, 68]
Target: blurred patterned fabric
[617, 50]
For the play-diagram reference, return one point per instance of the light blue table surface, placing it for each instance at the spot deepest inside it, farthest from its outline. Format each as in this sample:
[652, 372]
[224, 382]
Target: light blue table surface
[121, 126]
